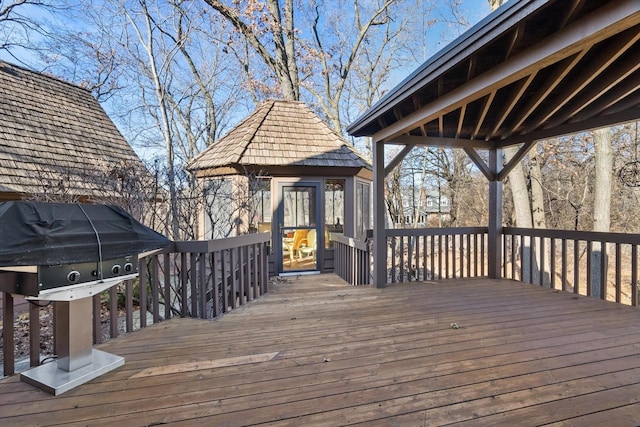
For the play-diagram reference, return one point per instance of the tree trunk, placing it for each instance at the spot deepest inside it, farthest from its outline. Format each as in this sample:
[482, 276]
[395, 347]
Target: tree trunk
[601, 207]
[522, 210]
[538, 214]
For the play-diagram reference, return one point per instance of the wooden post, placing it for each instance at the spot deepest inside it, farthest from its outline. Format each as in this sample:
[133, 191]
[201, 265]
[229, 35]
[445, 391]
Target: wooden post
[495, 215]
[379, 237]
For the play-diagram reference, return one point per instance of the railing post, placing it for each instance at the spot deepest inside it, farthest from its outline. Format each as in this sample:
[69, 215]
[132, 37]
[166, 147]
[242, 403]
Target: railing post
[8, 345]
[495, 215]
[379, 235]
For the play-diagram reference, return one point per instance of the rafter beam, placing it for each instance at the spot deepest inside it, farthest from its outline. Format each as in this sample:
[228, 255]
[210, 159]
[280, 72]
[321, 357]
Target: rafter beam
[619, 73]
[483, 115]
[609, 19]
[615, 117]
[551, 83]
[594, 69]
[613, 97]
[575, 7]
[463, 111]
[515, 98]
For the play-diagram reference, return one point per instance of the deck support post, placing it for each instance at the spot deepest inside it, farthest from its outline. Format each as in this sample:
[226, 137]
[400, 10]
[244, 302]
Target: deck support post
[495, 216]
[379, 233]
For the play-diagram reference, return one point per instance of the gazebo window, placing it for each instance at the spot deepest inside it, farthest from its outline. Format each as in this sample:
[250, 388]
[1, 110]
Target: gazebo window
[363, 208]
[333, 208]
[218, 209]
[261, 211]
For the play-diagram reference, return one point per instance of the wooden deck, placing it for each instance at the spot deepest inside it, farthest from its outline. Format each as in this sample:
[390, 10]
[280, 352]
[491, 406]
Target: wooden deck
[317, 352]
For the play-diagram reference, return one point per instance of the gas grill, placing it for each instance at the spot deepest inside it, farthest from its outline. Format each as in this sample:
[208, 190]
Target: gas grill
[67, 253]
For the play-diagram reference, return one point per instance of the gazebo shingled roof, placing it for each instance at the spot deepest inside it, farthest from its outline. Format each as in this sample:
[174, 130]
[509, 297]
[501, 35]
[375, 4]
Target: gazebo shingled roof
[57, 132]
[280, 133]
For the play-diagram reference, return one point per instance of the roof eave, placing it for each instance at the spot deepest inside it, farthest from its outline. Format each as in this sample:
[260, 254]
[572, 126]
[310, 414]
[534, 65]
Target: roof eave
[446, 58]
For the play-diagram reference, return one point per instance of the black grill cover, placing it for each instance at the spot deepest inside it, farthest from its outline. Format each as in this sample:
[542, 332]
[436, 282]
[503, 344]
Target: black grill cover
[33, 233]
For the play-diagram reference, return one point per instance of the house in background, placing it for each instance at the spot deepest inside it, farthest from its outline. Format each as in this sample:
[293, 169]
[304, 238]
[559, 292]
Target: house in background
[283, 170]
[434, 209]
[58, 144]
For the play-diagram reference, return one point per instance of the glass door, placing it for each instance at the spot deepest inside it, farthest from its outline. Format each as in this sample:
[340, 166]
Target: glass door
[297, 218]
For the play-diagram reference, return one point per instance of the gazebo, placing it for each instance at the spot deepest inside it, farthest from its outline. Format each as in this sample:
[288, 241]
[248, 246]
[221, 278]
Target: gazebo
[284, 171]
[533, 69]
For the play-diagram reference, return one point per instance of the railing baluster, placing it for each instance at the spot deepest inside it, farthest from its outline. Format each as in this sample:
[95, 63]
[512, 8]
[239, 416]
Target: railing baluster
[215, 284]
[432, 256]
[417, 257]
[440, 260]
[603, 270]
[564, 264]
[552, 267]
[193, 274]
[618, 273]
[143, 292]
[202, 285]
[576, 266]
[469, 255]
[423, 257]
[453, 256]
[184, 297]
[167, 285]
[155, 288]
[446, 256]
[242, 281]
[634, 275]
[482, 255]
[542, 257]
[225, 284]
[513, 256]
[401, 259]
[589, 271]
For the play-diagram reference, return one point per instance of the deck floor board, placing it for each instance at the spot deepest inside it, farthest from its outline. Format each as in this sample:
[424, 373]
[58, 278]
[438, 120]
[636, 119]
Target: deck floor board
[331, 354]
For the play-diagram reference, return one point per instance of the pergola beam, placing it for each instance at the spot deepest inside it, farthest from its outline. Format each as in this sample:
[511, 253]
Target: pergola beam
[398, 158]
[480, 164]
[433, 141]
[514, 160]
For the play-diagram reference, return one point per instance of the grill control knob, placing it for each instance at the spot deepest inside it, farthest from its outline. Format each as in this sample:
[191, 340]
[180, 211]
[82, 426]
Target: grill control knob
[73, 277]
[116, 269]
[128, 267]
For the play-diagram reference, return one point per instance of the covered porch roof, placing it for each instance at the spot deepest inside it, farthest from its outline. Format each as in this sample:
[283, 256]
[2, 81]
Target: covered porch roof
[533, 69]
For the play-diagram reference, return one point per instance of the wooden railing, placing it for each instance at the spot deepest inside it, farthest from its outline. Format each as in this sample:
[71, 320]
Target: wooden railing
[201, 279]
[603, 265]
[436, 253]
[352, 261]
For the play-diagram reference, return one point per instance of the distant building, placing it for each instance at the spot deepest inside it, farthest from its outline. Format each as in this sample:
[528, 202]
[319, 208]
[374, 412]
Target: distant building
[434, 210]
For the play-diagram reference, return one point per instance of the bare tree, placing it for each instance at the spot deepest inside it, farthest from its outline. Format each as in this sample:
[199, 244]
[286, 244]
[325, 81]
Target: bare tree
[19, 29]
[269, 30]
